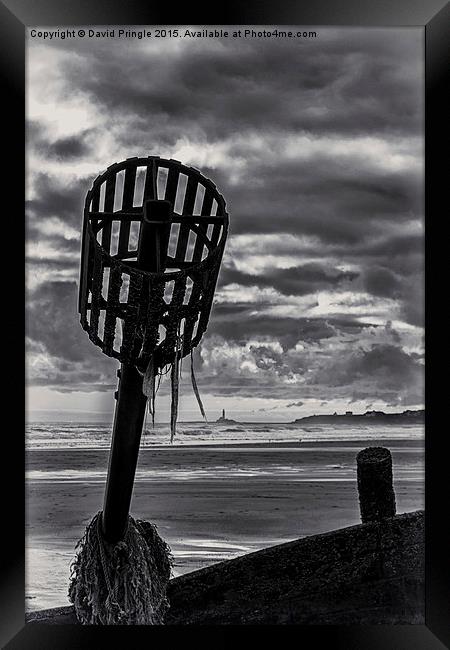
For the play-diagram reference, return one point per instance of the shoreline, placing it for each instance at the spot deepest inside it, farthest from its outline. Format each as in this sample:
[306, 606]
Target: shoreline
[288, 444]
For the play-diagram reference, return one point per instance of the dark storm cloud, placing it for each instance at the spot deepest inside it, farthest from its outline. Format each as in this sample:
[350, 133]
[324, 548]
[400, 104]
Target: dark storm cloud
[317, 197]
[382, 282]
[397, 247]
[388, 367]
[413, 301]
[65, 149]
[388, 363]
[52, 325]
[53, 320]
[238, 323]
[357, 82]
[70, 148]
[299, 280]
[57, 199]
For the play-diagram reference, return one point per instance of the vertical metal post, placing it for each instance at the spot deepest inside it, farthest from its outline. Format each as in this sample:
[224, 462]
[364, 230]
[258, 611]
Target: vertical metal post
[131, 402]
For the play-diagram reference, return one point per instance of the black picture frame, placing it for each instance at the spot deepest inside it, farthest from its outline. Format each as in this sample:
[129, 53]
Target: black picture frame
[434, 16]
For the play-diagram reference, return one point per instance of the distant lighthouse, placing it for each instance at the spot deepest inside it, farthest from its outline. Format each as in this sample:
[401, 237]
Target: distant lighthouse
[224, 420]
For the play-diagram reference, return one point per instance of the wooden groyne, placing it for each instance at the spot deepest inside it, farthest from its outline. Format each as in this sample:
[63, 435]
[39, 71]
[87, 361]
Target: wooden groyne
[371, 573]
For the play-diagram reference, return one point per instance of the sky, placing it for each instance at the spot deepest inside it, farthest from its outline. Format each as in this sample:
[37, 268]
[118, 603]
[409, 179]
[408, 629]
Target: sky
[317, 147]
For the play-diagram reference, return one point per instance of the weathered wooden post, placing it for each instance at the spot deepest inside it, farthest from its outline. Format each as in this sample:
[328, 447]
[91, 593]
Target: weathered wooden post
[144, 301]
[375, 484]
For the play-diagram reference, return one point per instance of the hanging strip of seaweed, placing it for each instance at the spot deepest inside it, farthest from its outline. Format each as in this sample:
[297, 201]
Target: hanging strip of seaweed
[148, 387]
[175, 383]
[153, 402]
[195, 389]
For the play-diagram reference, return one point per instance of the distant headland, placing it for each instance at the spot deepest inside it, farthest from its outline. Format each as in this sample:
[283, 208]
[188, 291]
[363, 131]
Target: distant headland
[224, 420]
[369, 417]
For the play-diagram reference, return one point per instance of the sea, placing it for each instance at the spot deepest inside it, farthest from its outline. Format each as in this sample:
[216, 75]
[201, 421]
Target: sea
[61, 435]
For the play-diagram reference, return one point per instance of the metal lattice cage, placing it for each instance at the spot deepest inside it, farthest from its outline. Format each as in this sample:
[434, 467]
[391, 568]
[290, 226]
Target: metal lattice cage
[131, 312]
